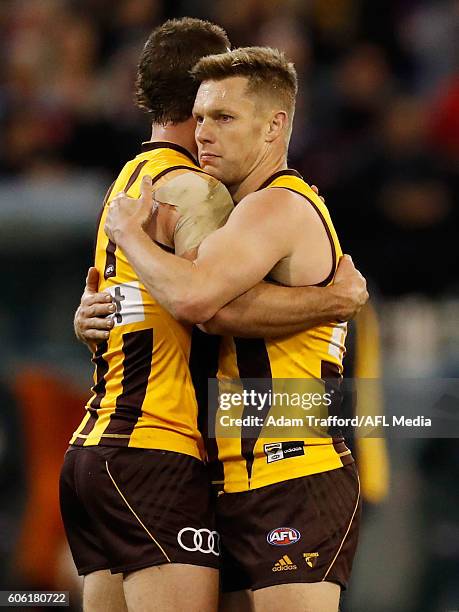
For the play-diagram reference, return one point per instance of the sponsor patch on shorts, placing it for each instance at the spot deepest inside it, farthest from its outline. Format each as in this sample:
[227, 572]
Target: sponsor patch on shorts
[311, 558]
[283, 450]
[283, 536]
[285, 563]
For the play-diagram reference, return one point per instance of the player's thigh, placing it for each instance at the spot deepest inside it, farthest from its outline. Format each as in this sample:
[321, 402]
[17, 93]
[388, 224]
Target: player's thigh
[81, 526]
[172, 588]
[103, 592]
[147, 508]
[242, 601]
[307, 597]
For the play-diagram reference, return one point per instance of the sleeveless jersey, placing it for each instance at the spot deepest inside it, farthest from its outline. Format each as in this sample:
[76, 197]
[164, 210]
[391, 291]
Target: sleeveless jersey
[143, 394]
[255, 458]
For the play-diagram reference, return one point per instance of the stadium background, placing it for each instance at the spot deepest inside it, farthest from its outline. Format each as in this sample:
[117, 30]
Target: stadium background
[377, 129]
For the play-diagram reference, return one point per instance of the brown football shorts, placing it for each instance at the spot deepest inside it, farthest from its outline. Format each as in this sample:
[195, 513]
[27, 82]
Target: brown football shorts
[125, 509]
[299, 530]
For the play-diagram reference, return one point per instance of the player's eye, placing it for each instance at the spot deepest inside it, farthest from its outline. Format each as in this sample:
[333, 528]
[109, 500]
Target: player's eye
[199, 119]
[226, 118]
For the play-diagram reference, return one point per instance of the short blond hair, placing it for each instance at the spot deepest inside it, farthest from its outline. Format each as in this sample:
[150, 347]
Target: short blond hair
[267, 70]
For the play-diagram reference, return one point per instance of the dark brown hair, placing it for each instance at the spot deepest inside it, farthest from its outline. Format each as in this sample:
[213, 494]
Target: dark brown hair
[164, 85]
[268, 71]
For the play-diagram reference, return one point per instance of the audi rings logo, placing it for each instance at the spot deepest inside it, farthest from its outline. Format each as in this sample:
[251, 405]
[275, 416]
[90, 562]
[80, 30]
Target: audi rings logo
[199, 540]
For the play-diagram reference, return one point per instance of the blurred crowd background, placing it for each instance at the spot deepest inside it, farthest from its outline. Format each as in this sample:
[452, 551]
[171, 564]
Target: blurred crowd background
[376, 128]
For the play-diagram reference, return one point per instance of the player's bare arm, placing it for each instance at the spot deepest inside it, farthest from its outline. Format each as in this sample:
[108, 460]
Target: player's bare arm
[270, 311]
[265, 311]
[187, 207]
[195, 291]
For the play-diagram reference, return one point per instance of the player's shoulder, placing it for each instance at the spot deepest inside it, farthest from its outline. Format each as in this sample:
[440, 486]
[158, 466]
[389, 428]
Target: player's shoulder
[275, 201]
[193, 187]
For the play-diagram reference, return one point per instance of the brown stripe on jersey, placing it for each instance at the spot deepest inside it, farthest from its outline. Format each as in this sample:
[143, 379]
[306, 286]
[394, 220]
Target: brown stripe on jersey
[110, 259]
[150, 146]
[276, 175]
[348, 407]
[101, 371]
[342, 450]
[165, 247]
[172, 168]
[98, 389]
[203, 362]
[332, 244]
[330, 374]
[107, 195]
[330, 370]
[135, 175]
[330, 237]
[253, 362]
[99, 216]
[138, 350]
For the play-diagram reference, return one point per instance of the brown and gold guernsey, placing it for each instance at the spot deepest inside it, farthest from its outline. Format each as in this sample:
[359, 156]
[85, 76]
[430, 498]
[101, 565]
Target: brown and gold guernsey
[143, 394]
[256, 458]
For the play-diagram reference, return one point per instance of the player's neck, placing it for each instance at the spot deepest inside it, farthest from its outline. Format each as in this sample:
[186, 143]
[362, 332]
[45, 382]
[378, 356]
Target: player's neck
[258, 175]
[181, 134]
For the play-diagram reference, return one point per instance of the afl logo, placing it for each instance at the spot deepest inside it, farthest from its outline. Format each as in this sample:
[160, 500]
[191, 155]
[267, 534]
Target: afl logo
[283, 536]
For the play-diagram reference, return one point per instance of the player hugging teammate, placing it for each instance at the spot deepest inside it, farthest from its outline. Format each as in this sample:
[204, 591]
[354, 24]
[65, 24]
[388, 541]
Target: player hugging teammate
[135, 494]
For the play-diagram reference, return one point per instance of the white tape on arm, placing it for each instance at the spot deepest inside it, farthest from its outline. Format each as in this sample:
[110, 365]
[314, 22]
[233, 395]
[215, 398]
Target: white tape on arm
[204, 205]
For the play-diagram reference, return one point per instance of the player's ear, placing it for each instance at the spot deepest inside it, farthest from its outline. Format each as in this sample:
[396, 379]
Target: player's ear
[277, 126]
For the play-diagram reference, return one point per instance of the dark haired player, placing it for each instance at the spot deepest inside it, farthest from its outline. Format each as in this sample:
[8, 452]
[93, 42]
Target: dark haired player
[134, 490]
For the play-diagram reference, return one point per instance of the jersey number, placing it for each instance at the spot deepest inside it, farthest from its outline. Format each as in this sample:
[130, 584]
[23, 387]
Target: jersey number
[127, 298]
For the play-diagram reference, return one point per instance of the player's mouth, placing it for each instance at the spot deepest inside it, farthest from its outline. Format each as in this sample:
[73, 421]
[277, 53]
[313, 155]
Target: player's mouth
[207, 158]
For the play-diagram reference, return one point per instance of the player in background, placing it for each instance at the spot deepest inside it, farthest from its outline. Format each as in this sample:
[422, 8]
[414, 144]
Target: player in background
[244, 110]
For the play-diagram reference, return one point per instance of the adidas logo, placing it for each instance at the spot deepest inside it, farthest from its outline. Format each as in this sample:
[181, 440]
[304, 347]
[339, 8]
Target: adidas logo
[284, 564]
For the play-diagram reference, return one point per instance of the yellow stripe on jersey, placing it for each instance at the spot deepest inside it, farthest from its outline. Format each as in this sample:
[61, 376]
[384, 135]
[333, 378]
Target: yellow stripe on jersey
[243, 463]
[143, 394]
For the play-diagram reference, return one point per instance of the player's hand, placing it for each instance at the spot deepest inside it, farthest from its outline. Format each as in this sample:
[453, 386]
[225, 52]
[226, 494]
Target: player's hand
[90, 323]
[350, 287]
[129, 214]
[316, 190]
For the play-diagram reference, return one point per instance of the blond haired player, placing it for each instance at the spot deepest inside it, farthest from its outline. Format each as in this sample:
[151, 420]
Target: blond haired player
[244, 110]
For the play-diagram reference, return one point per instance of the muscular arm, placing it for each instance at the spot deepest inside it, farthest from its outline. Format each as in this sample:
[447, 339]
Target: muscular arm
[266, 310]
[270, 311]
[195, 291]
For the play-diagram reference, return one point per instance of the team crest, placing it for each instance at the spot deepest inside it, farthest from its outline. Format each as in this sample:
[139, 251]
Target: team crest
[311, 558]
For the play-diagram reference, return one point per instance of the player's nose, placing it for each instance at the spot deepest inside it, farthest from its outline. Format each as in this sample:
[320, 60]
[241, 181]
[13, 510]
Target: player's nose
[204, 132]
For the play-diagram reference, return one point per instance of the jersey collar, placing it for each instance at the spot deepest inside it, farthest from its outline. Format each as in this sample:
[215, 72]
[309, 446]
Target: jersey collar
[149, 146]
[273, 177]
